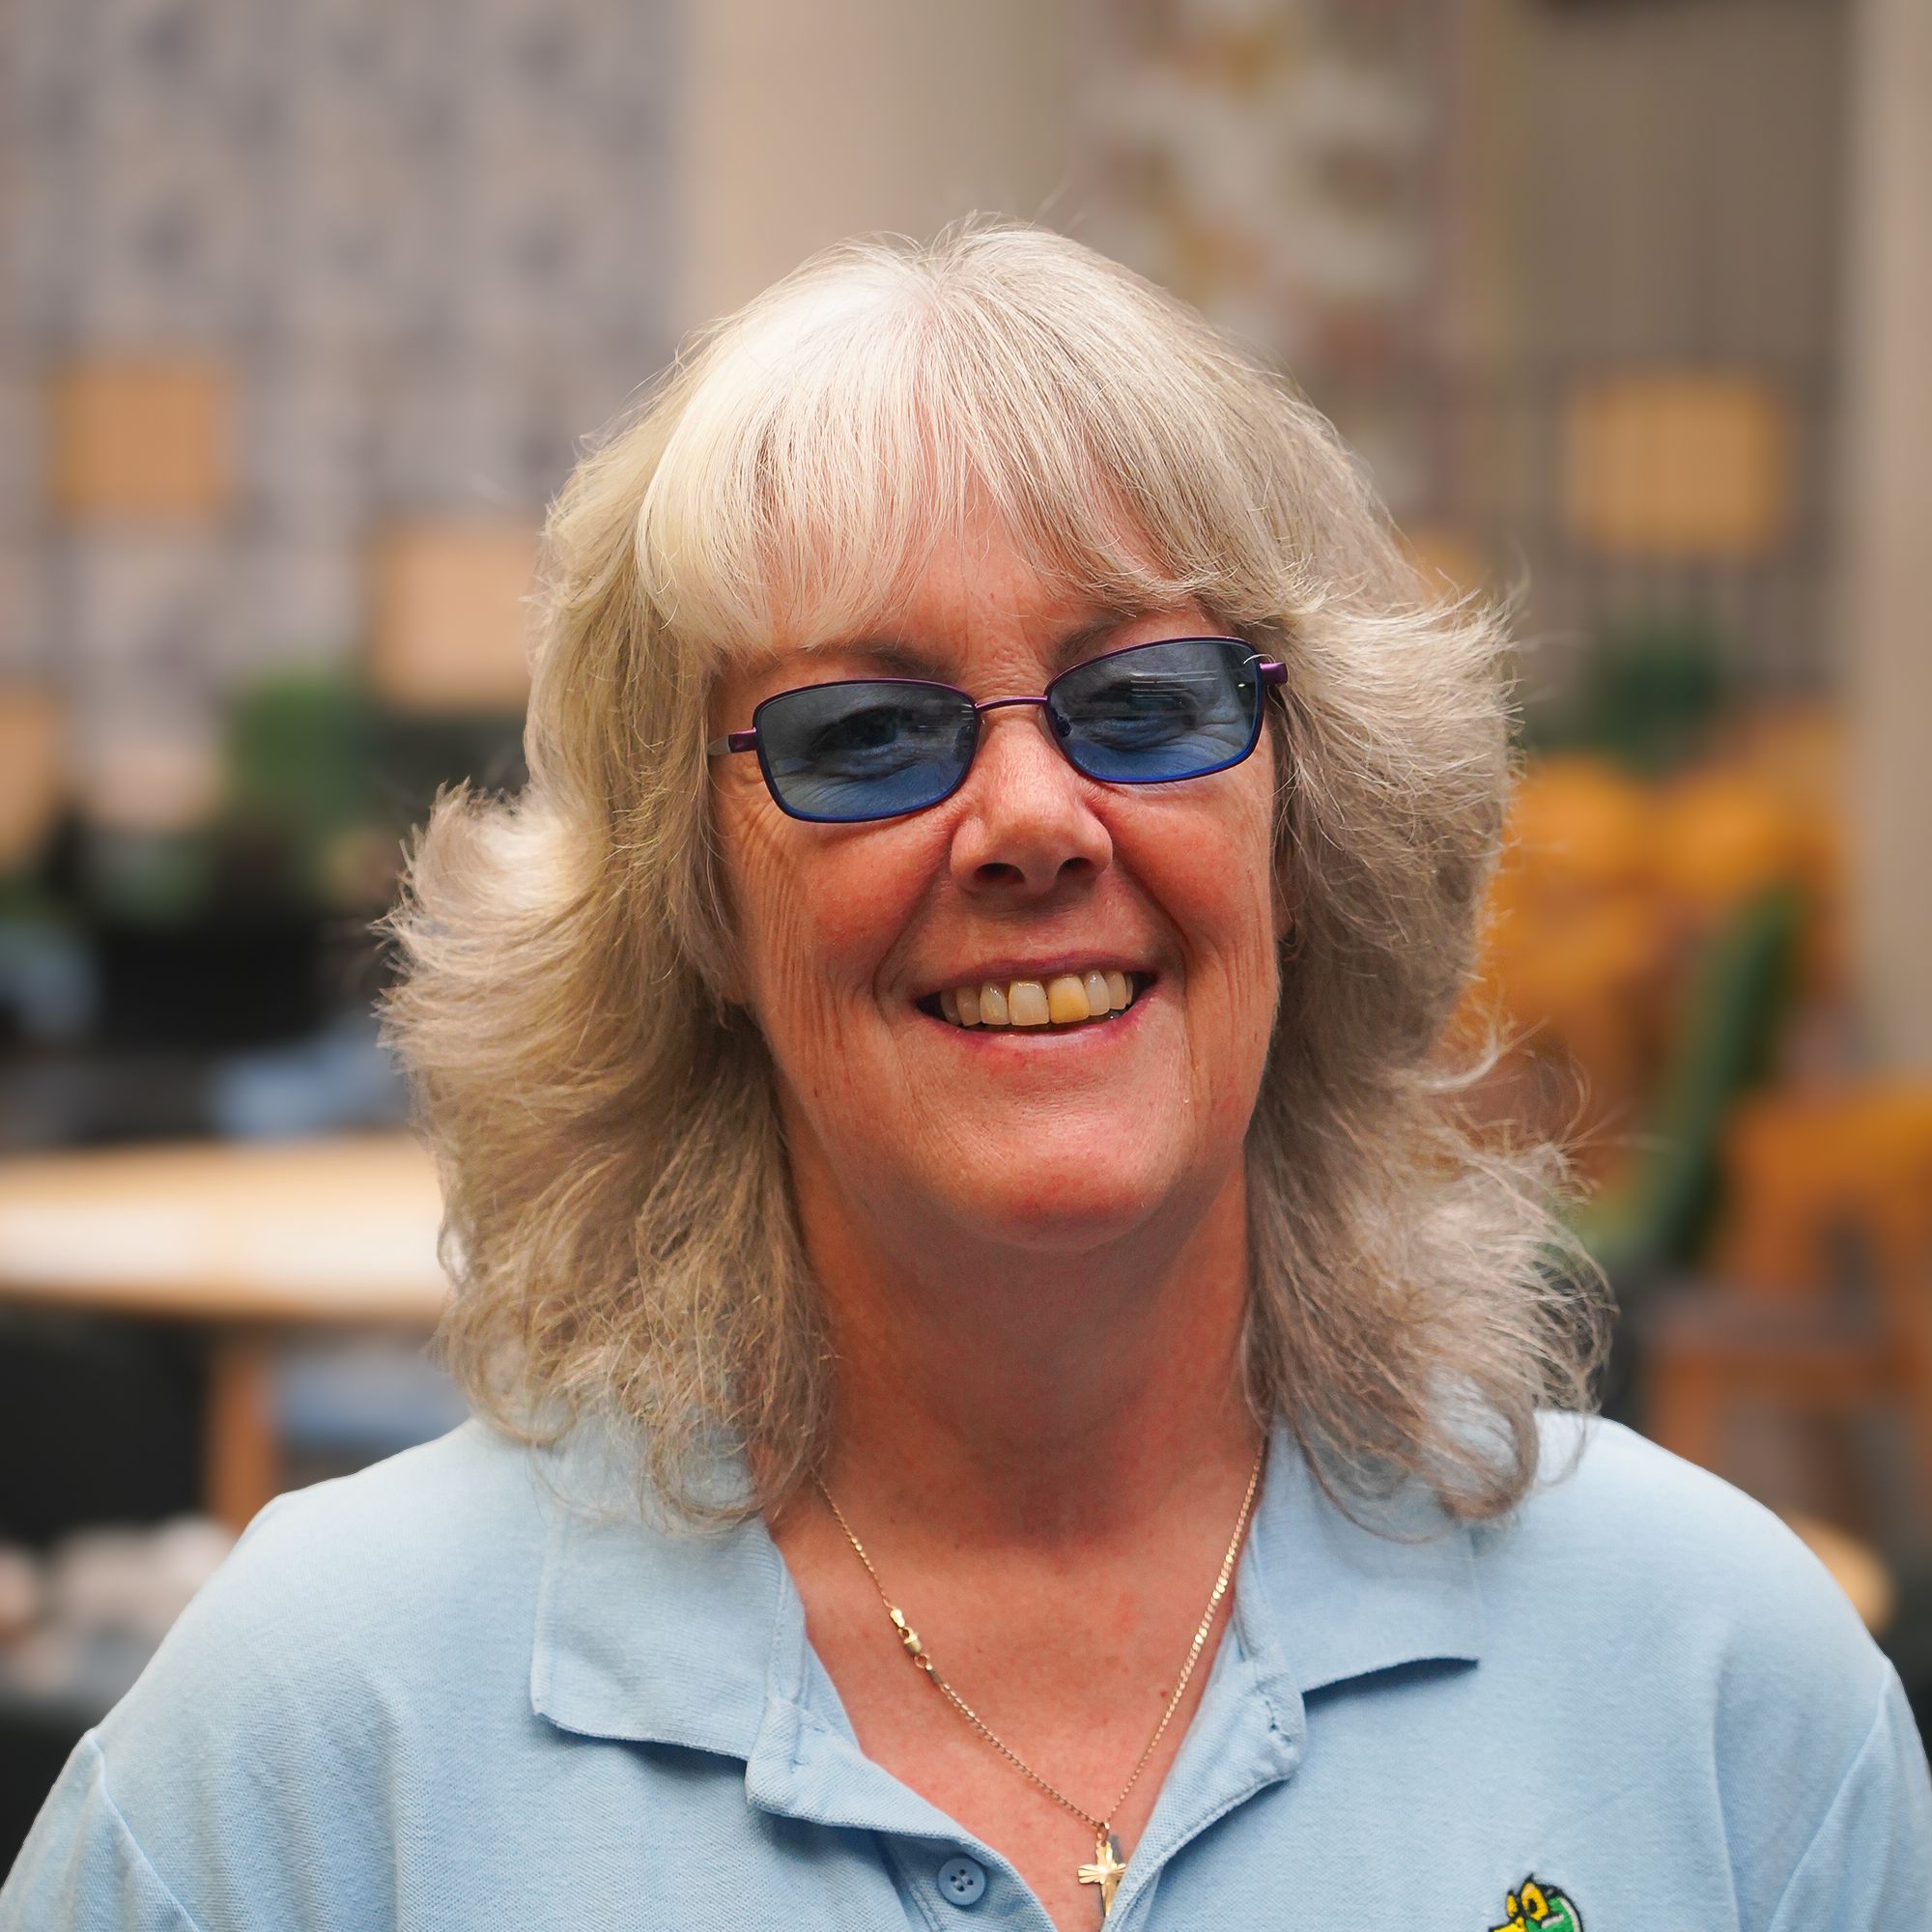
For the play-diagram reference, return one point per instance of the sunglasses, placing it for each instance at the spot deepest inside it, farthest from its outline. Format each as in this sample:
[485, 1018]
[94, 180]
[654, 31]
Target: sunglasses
[878, 747]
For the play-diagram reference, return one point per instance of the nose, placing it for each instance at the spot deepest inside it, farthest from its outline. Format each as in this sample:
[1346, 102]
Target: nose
[1029, 828]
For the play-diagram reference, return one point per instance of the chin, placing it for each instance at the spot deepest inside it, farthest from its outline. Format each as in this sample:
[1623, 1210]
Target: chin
[1065, 1207]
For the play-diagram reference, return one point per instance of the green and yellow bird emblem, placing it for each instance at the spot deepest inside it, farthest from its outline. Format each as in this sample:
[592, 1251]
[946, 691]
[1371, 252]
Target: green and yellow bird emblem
[1539, 1907]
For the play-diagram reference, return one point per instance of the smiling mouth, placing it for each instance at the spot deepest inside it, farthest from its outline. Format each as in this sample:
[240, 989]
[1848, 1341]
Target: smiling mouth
[1065, 1000]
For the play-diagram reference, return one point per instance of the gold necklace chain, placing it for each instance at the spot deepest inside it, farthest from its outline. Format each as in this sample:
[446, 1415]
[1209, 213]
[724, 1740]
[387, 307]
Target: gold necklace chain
[1106, 1869]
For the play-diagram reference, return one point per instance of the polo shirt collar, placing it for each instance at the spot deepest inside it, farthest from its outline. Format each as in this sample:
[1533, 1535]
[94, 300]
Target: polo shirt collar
[1346, 1599]
[657, 1635]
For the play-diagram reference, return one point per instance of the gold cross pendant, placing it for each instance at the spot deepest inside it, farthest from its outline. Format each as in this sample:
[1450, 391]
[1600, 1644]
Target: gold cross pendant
[1106, 1870]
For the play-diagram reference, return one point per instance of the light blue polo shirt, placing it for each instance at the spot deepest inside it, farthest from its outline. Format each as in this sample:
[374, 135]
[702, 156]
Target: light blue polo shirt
[428, 1697]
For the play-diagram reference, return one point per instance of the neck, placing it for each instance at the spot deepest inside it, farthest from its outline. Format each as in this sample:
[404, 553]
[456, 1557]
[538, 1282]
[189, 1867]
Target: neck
[1021, 1385]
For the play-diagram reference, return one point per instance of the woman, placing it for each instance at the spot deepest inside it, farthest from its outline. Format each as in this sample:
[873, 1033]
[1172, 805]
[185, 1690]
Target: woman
[1008, 1390]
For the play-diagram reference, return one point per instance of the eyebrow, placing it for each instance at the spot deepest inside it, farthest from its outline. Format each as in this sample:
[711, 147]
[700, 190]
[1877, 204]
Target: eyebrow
[898, 658]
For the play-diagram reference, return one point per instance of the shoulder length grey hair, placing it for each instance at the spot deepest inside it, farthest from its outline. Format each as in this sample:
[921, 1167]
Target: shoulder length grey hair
[617, 1214]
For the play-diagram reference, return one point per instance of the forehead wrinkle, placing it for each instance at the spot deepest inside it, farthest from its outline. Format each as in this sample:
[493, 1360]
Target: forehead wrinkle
[1078, 642]
[896, 656]
[906, 655]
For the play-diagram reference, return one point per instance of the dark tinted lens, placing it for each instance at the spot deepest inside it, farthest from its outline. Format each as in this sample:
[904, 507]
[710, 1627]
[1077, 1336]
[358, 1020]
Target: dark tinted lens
[1172, 710]
[864, 749]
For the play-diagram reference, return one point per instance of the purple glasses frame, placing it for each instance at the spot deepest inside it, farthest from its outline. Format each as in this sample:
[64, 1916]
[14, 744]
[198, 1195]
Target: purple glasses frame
[1268, 671]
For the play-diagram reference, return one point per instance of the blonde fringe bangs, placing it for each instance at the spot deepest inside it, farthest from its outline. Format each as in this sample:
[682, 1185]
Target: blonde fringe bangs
[830, 439]
[617, 1213]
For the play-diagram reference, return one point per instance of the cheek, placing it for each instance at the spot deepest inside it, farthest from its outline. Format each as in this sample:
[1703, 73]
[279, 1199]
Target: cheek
[817, 915]
[1243, 973]
[1227, 903]
[1227, 911]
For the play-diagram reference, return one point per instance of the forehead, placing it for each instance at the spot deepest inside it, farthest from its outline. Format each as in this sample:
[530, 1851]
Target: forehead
[979, 598]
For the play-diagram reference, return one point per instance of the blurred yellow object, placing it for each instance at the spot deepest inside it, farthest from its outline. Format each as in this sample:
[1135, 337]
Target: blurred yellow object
[1797, 752]
[449, 629]
[141, 440]
[1611, 889]
[1798, 747]
[1572, 949]
[1677, 464]
[1732, 829]
[32, 773]
[1584, 990]
[1577, 826]
[1723, 837]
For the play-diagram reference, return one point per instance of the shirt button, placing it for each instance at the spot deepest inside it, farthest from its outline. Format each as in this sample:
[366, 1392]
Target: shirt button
[962, 1881]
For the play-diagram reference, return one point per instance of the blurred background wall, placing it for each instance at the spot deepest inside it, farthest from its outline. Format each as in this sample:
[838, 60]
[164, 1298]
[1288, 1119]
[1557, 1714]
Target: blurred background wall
[1885, 477]
[803, 126]
[304, 312]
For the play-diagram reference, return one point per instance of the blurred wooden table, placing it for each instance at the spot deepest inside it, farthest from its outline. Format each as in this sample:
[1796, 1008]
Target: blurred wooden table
[248, 1239]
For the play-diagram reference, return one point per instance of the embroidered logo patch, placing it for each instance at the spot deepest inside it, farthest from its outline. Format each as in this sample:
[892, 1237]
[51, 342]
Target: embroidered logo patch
[1543, 1907]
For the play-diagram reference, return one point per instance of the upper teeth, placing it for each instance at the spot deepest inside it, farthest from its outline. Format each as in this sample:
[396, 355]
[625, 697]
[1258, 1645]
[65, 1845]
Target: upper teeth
[1032, 1003]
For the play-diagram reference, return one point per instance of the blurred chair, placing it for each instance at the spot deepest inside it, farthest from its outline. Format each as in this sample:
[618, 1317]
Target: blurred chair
[1797, 754]
[1657, 1216]
[1585, 992]
[1724, 834]
[1822, 1302]
[1574, 948]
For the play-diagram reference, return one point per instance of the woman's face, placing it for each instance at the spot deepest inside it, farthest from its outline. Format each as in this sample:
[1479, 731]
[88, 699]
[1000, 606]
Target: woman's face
[854, 938]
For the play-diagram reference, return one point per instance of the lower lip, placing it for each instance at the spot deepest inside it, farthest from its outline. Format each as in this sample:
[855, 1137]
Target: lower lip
[1006, 1038]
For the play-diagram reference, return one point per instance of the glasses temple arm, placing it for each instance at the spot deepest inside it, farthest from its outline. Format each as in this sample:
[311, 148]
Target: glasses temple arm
[733, 741]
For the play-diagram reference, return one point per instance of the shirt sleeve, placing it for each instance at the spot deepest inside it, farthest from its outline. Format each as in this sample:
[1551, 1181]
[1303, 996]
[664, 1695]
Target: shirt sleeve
[81, 1868]
[1868, 1867]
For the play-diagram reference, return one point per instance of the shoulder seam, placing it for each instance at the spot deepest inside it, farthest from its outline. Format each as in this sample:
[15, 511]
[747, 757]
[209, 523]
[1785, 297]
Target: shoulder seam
[93, 1743]
[1856, 1758]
